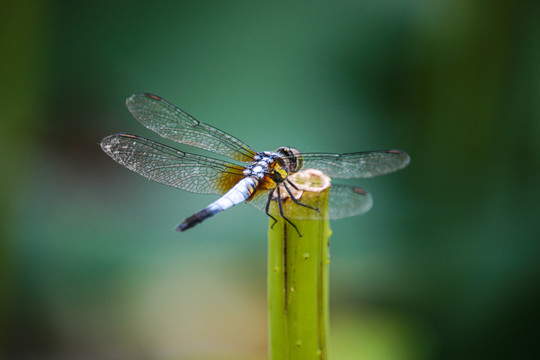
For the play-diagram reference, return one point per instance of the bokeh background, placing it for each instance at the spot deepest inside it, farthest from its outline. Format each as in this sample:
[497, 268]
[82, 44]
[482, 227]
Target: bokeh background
[446, 264]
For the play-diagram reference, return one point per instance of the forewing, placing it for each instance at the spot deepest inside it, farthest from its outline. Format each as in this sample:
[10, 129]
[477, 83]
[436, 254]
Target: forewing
[357, 165]
[165, 165]
[175, 124]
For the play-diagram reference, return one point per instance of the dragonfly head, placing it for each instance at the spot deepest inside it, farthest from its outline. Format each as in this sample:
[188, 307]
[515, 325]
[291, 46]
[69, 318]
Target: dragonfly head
[292, 158]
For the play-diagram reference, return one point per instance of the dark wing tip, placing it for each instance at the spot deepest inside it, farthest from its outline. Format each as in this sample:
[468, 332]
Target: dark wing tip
[133, 98]
[126, 135]
[359, 191]
[152, 96]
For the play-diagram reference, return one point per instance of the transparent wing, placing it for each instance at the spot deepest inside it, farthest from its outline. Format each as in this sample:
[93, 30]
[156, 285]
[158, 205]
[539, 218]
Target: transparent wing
[344, 201]
[357, 165]
[173, 123]
[259, 199]
[165, 165]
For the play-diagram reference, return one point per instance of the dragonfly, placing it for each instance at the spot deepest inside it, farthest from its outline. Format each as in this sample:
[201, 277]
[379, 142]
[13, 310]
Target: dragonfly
[257, 178]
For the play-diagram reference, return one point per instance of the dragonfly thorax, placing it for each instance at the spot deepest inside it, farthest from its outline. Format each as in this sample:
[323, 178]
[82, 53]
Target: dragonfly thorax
[262, 166]
[275, 165]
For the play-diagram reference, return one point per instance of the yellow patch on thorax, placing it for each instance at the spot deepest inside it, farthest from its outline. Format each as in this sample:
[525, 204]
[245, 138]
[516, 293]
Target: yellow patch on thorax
[281, 171]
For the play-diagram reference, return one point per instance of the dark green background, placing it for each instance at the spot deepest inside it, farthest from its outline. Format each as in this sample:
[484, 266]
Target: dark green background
[446, 264]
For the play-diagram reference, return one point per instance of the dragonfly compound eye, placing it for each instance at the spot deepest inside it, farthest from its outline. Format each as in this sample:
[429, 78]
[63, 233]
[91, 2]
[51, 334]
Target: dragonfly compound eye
[291, 157]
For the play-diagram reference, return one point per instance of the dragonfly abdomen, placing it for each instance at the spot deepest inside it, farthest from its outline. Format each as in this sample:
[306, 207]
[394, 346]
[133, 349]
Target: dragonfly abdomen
[239, 193]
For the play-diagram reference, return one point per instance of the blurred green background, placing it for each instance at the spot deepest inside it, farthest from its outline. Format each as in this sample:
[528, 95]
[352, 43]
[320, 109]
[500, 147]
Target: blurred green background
[446, 264]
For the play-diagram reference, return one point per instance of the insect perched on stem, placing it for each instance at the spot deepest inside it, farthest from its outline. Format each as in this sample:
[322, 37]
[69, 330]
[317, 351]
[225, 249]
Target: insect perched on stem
[260, 180]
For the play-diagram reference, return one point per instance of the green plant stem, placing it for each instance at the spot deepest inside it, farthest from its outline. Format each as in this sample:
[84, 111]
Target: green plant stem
[298, 281]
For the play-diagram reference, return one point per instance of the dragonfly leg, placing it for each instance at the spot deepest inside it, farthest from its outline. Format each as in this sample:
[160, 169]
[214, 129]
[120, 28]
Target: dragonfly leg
[281, 212]
[268, 208]
[294, 199]
[292, 184]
